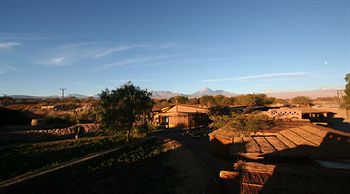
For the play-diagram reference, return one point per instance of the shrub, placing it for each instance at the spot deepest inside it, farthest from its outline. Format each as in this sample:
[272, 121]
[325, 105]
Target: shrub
[12, 117]
[250, 122]
[220, 121]
[145, 127]
[50, 120]
[243, 122]
[220, 110]
[85, 116]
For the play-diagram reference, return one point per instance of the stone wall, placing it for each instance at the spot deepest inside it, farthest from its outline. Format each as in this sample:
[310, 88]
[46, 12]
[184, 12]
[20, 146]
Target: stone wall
[72, 130]
[49, 134]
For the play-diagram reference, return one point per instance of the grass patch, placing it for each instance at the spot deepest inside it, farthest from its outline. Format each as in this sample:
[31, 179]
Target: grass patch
[140, 168]
[18, 159]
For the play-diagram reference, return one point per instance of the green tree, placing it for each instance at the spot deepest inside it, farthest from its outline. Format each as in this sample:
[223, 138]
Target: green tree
[193, 101]
[302, 101]
[254, 100]
[181, 99]
[246, 100]
[121, 108]
[208, 101]
[347, 90]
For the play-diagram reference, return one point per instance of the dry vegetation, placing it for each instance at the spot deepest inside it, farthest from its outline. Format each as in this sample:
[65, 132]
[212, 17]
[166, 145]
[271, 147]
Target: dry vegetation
[18, 159]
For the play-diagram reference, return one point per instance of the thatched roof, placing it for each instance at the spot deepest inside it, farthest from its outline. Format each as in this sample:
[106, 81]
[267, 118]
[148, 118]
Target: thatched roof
[265, 178]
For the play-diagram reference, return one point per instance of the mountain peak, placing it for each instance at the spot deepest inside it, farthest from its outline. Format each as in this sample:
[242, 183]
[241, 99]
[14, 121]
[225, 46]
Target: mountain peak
[206, 89]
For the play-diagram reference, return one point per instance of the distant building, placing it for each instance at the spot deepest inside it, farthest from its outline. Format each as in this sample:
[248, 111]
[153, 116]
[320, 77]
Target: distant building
[299, 113]
[179, 115]
[48, 107]
[52, 107]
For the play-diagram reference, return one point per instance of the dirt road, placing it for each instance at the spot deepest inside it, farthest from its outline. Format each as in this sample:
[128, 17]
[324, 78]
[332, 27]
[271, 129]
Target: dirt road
[200, 165]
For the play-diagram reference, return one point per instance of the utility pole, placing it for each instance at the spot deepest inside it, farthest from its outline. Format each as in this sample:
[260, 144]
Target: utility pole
[340, 94]
[3, 100]
[63, 89]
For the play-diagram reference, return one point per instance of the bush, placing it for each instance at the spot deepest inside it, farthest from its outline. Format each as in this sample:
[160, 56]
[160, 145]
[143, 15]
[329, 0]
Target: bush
[251, 122]
[145, 127]
[51, 120]
[12, 117]
[243, 122]
[220, 110]
[86, 116]
[302, 101]
[220, 121]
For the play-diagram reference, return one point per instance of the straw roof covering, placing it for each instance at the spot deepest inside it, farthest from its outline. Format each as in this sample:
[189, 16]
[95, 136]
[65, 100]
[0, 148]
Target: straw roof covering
[266, 178]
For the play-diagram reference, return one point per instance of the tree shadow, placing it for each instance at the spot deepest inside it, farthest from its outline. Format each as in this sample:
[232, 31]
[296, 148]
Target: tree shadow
[338, 124]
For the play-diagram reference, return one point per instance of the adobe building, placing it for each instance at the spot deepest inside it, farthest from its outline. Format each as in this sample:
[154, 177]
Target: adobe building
[299, 113]
[180, 115]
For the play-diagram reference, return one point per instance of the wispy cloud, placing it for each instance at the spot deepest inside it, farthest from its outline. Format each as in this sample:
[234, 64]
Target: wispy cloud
[112, 50]
[136, 60]
[272, 76]
[20, 36]
[57, 61]
[9, 45]
[5, 68]
[171, 45]
[132, 80]
[70, 53]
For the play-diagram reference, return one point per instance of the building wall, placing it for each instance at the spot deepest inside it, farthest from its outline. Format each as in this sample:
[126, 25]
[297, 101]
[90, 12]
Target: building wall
[179, 120]
[284, 113]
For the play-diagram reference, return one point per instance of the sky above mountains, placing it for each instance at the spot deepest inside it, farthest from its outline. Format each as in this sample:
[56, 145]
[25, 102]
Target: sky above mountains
[182, 46]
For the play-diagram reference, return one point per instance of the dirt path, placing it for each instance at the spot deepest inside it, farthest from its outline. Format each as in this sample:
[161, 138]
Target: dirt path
[195, 160]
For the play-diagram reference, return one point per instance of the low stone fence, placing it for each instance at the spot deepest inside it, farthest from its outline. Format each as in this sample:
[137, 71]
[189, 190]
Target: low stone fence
[49, 134]
[72, 130]
[17, 128]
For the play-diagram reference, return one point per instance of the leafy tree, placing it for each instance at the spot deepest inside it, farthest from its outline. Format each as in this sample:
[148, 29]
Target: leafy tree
[219, 110]
[246, 100]
[254, 100]
[302, 101]
[227, 101]
[219, 99]
[193, 101]
[160, 103]
[244, 123]
[347, 90]
[181, 99]
[280, 100]
[208, 101]
[250, 122]
[121, 108]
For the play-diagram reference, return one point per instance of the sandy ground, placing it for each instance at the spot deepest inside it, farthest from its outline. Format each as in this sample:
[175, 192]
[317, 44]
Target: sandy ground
[194, 160]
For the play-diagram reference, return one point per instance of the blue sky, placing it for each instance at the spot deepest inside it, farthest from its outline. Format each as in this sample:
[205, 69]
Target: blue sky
[181, 46]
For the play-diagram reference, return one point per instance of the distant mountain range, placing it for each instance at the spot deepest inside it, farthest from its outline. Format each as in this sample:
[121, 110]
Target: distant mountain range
[207, 91]
[80, 96]
[165, 94]
[31, 97]
[325, 92]
[309, 93]
[200, 93]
